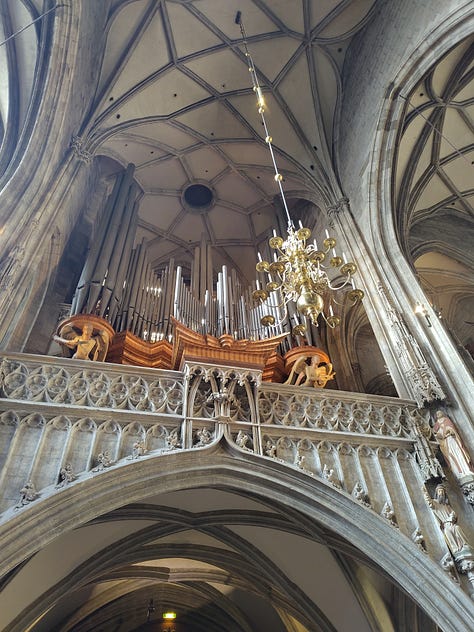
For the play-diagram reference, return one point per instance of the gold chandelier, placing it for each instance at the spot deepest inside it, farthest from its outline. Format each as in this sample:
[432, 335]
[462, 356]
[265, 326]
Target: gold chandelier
[299, 270]
[299, 275]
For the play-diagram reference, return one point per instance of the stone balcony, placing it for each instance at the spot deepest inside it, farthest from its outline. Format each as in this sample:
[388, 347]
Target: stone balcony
[64, 420]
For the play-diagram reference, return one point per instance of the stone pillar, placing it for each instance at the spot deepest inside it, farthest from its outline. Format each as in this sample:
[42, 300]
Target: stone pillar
[43, 186]
[366, 158]
[422, 361]
[412, 375]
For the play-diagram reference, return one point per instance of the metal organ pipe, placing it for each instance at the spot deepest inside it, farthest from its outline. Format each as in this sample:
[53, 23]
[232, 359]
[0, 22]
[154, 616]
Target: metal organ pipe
[99, 288]
[176, 306]
[195, 272]
[80, 301]
[156, 299]
[136, 298]
[144, 325]
[120, 254]
[124, 265]
[225, 299]
[165, 284]
[120, 323]
[168, 304]
[102, 266]
[141, 300]
[135, 286]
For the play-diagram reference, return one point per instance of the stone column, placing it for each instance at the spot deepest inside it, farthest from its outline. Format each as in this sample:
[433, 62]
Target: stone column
[412, 375]
[43, 186]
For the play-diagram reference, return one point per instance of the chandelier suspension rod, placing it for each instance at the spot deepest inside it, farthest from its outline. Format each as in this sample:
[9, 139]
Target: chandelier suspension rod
[261, 109]
[297, 271]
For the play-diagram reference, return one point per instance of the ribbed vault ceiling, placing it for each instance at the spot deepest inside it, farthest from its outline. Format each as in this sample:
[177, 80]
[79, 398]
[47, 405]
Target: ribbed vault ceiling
[221, 560]
[175, 99]
[434, 186]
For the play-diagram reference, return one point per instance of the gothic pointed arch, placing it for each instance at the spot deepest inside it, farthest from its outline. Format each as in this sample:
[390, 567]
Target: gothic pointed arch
[315, 511]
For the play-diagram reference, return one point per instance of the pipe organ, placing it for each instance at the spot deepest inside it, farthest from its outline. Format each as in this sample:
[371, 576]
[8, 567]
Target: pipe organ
[119, 284]
[150, 298]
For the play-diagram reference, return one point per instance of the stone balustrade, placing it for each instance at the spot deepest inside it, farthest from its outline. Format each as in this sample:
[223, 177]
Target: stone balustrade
[62, 420]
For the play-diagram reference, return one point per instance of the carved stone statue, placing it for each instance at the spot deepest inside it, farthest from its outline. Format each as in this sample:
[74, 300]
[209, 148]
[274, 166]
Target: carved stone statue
[66, 475]
[103, 461]
[28, 493]
[424, 455]
[172, 440]
[468, 491]
[448, 565]
[360, 494]
[419, 539]
[313, 374]
[138, 450]
[453, 534]
[87, 344]
[330, 476]
[389, 515]
[270, 449]
[301, 461]
[242, 440]
[451, 446]
[204, 437]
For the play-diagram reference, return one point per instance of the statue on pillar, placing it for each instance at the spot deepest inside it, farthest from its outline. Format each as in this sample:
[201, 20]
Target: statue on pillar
[447, 519]
[452, 447]
[461, 554]
[424, 454]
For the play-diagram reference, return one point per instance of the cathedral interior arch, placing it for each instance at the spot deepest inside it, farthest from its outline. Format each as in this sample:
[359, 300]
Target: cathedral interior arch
[173, 458]
[210, 546]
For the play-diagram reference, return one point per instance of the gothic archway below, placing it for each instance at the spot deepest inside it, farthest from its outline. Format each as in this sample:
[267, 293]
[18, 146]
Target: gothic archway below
[107, 545]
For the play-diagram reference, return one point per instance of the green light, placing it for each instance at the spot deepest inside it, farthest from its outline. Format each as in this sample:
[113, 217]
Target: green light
[169, 615]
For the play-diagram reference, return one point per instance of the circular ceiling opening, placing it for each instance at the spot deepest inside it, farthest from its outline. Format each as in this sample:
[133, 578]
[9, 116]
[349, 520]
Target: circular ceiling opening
[198, 197]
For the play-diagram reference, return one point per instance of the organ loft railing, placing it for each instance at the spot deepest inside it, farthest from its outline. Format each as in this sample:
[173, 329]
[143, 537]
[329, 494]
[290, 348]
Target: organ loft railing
[63, 422]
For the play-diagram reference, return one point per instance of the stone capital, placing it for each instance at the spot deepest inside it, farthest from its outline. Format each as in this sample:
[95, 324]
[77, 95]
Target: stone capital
[339, 207]
[79, 150]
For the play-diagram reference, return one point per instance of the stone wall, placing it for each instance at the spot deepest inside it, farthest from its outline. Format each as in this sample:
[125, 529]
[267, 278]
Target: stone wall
[46, 187]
